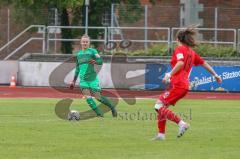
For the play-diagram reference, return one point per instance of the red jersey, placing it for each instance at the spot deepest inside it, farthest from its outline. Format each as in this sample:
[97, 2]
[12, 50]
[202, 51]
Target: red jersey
[190, 58]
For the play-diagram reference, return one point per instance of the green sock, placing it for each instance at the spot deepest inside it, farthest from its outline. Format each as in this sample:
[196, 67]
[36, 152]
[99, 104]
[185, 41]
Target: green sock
[94, 107]
[106, 101]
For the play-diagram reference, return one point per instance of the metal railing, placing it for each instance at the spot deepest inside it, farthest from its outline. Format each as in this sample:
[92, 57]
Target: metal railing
[48, 39]
[146, 39]
[238, 41]
[108, 33]
[25, 43]
[215, 33]
[22, 45]
[20, 34]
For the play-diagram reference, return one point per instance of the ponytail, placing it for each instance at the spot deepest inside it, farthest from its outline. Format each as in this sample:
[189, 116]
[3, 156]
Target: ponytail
[187, 37]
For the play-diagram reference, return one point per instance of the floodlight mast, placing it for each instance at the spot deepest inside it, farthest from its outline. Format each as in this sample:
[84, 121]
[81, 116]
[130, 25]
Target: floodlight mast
[87, 3]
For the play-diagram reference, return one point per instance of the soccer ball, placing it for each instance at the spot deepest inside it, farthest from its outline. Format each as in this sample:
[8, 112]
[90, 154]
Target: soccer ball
[73, 115]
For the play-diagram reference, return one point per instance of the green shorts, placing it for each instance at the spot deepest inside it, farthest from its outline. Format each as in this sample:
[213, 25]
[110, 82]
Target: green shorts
[93, 85]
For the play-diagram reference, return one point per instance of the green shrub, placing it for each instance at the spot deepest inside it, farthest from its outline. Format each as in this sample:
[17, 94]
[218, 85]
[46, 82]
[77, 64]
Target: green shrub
[205, 50]
[159, 50]
[153, 50]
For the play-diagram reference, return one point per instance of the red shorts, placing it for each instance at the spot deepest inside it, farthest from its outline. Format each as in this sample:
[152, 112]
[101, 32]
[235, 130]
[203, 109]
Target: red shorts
[171, 96]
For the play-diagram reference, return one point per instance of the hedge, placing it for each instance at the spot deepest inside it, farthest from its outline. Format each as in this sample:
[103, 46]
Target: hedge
[205, 50]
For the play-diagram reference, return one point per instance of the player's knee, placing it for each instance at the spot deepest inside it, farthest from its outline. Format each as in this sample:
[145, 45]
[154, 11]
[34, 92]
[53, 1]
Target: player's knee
[97, 96]
[159, 104]
[88, 97]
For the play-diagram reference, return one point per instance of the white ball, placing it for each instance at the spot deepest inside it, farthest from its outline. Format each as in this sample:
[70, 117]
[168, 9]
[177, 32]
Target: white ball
[73, 115]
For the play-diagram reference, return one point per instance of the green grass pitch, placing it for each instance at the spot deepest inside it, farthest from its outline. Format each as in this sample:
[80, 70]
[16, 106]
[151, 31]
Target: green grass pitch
[29, 129]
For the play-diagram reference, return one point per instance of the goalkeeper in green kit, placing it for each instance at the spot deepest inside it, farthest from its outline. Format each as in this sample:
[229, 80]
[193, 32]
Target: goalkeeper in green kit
[89, 82]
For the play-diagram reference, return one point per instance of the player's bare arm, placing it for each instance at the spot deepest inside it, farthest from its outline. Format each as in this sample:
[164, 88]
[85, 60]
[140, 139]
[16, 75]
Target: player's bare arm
[176, 68]
[210, 70]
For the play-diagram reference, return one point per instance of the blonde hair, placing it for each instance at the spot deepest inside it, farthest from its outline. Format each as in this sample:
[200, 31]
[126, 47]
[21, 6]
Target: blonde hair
[85, 36]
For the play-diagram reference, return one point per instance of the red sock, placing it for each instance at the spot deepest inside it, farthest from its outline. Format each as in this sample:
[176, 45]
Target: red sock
[161, 125]
[168, 114]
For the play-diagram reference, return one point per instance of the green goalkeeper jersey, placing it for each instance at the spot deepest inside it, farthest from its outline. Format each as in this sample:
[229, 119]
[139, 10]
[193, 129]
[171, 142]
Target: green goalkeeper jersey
[84, 69]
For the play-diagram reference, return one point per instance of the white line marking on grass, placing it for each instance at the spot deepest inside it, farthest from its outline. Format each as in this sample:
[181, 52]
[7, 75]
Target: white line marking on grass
[11, 115]
[211, 97]
[30, 121]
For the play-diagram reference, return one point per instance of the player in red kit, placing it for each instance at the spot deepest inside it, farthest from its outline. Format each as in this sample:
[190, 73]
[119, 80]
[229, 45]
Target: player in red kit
[183, 59]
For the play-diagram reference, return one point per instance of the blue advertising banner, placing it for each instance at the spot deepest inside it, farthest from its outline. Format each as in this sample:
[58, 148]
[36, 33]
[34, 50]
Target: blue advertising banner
[200, 79]
[154, 75]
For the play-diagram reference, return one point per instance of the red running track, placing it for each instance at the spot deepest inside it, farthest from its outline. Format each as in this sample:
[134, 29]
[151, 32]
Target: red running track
[46, 92]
